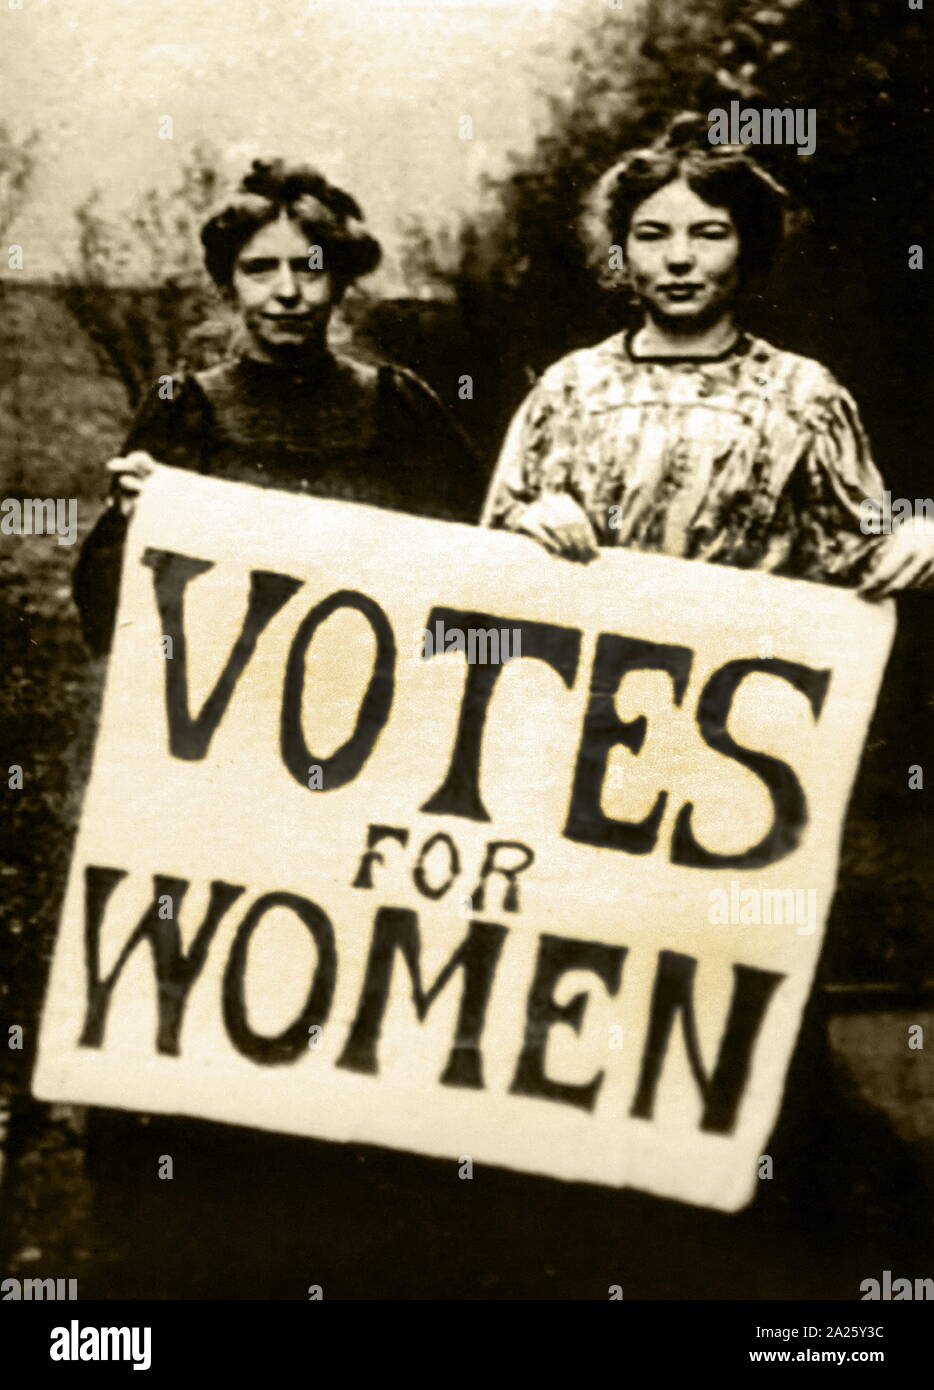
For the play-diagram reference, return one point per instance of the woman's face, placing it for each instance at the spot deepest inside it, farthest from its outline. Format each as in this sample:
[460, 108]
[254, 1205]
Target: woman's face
[284, 304]
[683, 257]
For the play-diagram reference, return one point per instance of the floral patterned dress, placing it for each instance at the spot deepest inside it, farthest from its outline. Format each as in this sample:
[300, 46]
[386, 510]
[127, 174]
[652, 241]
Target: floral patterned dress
[756, 458]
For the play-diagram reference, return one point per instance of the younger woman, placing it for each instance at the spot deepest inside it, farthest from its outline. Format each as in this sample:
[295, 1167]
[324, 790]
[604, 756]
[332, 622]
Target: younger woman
[689, 436]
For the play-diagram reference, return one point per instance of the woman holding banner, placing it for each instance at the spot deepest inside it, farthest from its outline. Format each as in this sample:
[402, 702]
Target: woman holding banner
[284, 410]
[688, 436]
[250, 1214]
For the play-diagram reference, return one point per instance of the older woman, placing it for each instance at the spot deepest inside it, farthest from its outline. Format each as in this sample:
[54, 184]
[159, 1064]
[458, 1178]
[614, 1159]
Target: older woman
[688, 436]
[242, 1217]
[284, 410]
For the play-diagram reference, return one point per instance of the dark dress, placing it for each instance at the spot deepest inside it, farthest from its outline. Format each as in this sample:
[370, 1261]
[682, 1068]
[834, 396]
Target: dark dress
[249, 1214]
[343, 429]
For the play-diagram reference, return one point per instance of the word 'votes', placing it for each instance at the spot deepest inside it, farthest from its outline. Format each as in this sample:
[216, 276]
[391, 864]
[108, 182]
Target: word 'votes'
[459, 793]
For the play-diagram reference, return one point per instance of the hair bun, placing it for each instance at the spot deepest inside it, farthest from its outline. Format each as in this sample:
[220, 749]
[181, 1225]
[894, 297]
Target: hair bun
[273, 178]
[684, 130]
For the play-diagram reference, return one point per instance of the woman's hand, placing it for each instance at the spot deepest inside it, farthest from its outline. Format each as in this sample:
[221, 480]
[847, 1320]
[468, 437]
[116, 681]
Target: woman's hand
[129, 474]
[561, 526]
[906, 561]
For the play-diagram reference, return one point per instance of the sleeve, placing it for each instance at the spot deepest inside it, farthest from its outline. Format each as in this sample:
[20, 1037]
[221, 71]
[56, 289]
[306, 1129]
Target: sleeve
[163, 427]
[96, 579]
[171, 423]
[833, 487]
[536, 457]
[451, 482]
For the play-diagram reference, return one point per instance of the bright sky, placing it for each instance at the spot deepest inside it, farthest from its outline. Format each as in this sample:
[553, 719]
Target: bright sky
[371, 90]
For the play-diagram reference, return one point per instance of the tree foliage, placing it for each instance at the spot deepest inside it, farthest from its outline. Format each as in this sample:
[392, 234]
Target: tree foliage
[139, 288]
[17, 165]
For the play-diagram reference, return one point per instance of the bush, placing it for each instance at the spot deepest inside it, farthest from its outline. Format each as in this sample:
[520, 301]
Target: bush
[139, 289]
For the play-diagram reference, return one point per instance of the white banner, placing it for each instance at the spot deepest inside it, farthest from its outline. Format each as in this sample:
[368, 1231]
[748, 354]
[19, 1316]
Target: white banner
[405, 832]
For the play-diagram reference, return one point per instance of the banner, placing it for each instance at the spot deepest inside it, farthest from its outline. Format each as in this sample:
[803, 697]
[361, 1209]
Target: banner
[407, 833]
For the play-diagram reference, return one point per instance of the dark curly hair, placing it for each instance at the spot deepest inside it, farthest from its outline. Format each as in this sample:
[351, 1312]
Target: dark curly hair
[328, 216]
[725, 176]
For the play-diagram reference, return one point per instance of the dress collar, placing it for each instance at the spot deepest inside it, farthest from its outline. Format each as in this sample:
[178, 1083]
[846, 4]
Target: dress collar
[739, 346]
[311, 370]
